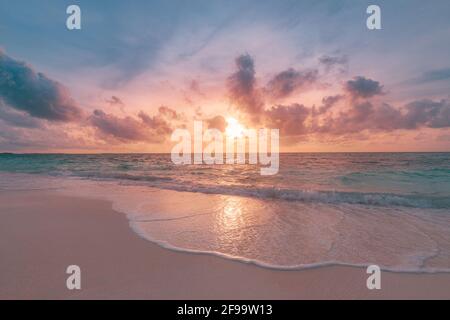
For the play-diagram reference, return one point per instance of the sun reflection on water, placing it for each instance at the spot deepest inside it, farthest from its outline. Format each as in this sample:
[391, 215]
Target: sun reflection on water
[232, 212]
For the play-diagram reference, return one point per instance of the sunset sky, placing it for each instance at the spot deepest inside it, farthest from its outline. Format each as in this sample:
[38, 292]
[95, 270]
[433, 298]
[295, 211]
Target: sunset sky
[139, 69]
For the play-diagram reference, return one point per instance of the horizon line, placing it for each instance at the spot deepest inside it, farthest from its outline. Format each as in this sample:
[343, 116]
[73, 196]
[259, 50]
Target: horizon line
[168, 153]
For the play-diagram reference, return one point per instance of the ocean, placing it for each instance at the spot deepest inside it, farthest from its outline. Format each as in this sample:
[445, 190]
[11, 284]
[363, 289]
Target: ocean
[389, 209]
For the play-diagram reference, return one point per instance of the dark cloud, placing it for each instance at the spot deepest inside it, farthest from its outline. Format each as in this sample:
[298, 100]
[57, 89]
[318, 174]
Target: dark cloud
[242, 86]
[33, 92]
[290, 120]
[125, 129]
[145, 128]
[290, 81]
[332, 62]
[329, 102]
[384, 117]
[18, 118]
[361, 87]
[433, 114]
[249, 98]
[298, 120]
[358, 116]
[161, 122]
[158, 124]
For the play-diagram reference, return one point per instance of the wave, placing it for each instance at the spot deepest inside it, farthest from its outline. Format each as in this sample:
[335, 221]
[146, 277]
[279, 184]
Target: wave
[207, 185]
[399, 175]
[297, 267]
[323, 196]
[123, 176]
[304, 195]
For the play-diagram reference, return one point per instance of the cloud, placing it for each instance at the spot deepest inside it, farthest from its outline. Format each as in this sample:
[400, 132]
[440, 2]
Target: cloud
[33, 92]
[350, 116]
[433, 114]
[361, 87]
[288, 119]
[384, 117]
[144, 128]
[328, 103]
[169, 113]
[249, 98]
[217, 122]
[332, 62]
[290, 81]
[125, 129]
[242, 86]
[296, 119]
[161, 122]
[115, 101]
[54, 138]
[18, 118]
[434, 75]
[160, 126]
[360, 117]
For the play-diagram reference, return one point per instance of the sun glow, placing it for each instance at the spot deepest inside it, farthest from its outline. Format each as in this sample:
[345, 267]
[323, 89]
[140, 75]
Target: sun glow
[234, 128]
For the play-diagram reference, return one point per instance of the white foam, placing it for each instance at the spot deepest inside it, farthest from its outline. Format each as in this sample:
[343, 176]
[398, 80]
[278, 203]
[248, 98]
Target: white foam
[274, 234]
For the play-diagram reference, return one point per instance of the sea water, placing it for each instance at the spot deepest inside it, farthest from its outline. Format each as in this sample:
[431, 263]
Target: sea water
[389, 209]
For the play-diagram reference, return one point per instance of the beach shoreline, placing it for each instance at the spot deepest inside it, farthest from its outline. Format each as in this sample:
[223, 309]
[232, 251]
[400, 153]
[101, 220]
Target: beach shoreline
[43, 232]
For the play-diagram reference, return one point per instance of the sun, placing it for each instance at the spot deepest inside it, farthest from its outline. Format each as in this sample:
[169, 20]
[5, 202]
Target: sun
[234, 128]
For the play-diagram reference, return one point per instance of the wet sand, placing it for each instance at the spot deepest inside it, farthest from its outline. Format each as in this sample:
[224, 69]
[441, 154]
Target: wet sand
[41, 233]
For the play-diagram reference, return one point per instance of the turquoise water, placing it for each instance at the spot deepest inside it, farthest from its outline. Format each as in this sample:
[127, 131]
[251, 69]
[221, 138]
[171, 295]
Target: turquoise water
[406, 179]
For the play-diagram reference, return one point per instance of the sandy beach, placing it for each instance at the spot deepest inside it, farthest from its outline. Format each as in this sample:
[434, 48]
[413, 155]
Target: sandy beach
[41, 233]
